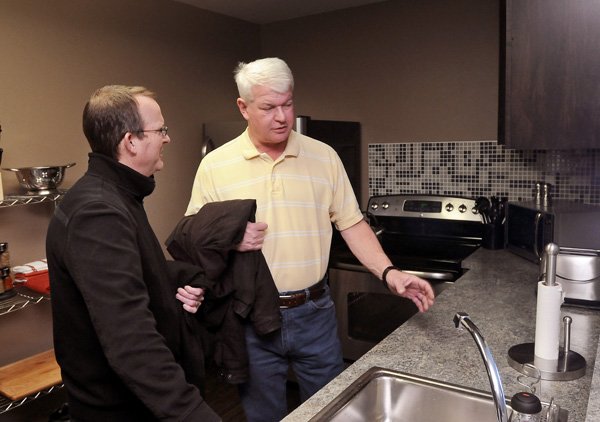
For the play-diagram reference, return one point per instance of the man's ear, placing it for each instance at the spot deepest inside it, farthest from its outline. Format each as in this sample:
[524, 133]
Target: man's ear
[243, 107]
[130, 141]
[127, 145]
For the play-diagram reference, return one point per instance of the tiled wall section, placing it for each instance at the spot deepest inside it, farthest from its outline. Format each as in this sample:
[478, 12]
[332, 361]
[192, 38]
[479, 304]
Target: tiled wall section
[482, 168]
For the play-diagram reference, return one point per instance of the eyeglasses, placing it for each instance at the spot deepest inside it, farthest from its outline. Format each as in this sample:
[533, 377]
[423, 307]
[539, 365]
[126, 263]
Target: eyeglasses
[163, 131]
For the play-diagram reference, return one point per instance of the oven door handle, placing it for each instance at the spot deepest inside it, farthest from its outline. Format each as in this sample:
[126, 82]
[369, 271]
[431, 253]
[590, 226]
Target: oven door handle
[431, 275]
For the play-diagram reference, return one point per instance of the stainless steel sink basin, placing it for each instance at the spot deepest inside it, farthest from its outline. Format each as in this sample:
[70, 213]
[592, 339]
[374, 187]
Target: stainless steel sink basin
[385, 395]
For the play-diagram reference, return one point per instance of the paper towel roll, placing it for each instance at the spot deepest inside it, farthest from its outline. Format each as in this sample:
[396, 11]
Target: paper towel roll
[547, 321]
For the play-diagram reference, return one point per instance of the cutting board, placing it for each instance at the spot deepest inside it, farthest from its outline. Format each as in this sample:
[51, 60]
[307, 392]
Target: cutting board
[28, 376]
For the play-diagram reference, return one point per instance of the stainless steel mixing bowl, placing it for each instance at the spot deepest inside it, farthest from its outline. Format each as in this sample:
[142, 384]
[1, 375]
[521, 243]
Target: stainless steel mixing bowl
[42, 179]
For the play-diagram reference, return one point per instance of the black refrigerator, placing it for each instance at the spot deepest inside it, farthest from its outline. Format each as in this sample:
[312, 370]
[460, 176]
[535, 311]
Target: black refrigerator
[343, 137]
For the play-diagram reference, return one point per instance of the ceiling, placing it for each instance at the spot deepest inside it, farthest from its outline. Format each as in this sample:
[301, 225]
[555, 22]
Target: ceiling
[268, 11]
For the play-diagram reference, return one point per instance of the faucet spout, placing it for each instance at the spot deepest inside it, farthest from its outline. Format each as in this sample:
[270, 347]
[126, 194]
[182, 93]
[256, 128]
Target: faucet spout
[462, 318]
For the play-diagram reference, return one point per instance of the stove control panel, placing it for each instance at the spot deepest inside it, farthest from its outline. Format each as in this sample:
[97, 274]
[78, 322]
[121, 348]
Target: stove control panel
[424, 206]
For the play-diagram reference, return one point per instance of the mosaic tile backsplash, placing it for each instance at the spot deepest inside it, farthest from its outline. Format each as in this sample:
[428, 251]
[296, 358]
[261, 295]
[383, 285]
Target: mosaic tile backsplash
[482, 168]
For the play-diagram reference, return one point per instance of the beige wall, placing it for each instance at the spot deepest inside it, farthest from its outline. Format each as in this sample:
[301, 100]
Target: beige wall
[408, 70]
[55, 53]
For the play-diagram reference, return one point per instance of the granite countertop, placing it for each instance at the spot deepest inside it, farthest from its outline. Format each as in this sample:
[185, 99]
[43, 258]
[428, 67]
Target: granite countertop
[499, 294]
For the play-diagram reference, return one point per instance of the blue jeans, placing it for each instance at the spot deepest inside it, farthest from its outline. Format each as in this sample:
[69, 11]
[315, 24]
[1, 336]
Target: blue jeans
[308, 341]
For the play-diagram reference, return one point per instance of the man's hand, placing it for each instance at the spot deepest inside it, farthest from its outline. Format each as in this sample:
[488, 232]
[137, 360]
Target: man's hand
[254, 237]
[191, 297]
[411, 287]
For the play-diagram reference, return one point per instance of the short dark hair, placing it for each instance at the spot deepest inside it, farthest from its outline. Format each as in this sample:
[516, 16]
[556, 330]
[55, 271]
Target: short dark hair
[109, 114]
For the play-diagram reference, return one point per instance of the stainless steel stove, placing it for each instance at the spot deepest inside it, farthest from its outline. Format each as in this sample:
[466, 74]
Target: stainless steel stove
[426, 235]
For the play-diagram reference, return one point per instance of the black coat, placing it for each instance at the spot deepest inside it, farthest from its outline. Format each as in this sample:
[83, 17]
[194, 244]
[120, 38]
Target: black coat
[240, 288]
[117, 324]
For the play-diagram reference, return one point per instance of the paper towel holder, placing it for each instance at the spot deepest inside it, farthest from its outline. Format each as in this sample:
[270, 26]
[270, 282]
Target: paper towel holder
[569, 366]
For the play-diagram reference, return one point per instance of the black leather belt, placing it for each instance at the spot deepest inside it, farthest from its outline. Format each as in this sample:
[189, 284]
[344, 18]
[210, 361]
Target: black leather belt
[300, 297]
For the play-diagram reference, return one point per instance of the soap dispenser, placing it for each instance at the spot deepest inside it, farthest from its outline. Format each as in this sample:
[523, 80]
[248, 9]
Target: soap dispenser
[526, 407]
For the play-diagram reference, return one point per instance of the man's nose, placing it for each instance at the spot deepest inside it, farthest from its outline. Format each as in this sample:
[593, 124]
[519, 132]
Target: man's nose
[279, 114]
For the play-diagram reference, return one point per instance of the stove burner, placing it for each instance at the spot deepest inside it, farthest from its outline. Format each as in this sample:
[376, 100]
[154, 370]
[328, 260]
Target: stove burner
[441, 249]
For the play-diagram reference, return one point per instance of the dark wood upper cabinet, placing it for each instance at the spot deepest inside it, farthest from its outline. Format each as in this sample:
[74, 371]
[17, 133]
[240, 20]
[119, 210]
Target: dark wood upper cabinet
[550, 74]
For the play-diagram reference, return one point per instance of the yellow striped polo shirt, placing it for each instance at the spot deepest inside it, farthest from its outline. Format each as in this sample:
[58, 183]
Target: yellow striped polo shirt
[298, 195]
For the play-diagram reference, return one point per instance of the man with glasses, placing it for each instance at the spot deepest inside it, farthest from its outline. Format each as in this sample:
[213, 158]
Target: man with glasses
[118, 327]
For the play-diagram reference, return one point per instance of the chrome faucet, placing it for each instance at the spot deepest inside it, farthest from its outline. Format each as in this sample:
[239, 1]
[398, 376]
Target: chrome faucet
[462, 318]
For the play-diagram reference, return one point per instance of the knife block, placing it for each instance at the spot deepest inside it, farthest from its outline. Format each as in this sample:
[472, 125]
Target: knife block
[493, 236]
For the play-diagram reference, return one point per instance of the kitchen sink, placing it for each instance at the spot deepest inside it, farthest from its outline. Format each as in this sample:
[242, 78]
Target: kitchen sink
[385, 395]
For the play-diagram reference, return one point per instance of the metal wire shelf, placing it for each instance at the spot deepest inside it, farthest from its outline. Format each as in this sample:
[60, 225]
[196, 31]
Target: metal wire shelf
[23, 298]
[20, 301]
[6, 404]
[13, 200]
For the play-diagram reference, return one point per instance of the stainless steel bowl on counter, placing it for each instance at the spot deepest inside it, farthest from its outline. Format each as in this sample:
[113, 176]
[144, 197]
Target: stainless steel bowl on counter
[40, 180]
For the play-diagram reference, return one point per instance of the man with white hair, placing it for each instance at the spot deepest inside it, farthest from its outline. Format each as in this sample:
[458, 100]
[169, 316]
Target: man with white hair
[300, 187]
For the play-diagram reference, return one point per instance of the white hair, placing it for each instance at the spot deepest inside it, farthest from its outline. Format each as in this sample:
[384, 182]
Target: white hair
[270, 72]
